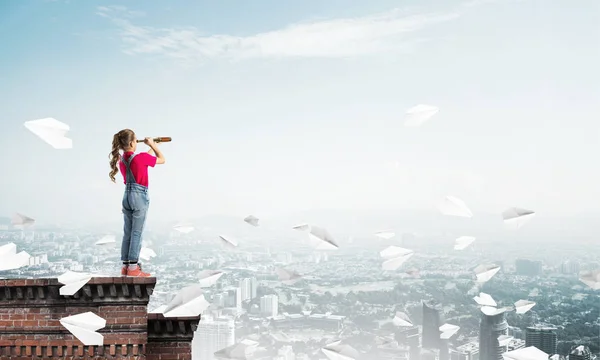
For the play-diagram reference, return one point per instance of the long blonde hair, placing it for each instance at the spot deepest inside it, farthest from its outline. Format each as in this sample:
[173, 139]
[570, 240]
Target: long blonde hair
[121, 140]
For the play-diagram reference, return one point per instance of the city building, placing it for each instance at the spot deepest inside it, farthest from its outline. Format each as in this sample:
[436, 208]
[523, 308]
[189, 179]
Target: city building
[491, 328]
[528, 267]
[212, 335]
[468, 351]
[246, 289]
[542, 337]
[570, 267]
[432, 320]
[580, 353]
[234, 298]
[269, 305]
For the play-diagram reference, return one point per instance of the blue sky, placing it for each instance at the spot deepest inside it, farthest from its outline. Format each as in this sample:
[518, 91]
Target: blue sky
[276, 106]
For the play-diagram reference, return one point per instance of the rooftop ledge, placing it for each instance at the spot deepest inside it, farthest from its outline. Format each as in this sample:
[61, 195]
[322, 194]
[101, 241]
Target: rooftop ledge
[45, 292]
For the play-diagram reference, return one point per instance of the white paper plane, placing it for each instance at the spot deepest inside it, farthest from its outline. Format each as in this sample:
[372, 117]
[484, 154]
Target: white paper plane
[485, 300]
[302, 227]
[523, 306]
[228, 241]
[515, 218]
[402, 319]
[395, 257]
[385, 235]
[84, 326]
[14, 261]
[21, 220]
[339, 351]
[147, 253]
[448, 330]
[209, 278]
[107, 240]
[485, 272]
[463, 242]
[252, 220]
[321, 239]
[189, 301]
[591, 279]
[493, 311]
[73, 281]
[51, 131]
[184, 229]
[419, 114]
[287, 277]
[453, 206]
[528, 353]
[240, 351]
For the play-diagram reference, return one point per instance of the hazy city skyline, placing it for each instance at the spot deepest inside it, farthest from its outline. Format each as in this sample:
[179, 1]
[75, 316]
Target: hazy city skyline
[279, 108]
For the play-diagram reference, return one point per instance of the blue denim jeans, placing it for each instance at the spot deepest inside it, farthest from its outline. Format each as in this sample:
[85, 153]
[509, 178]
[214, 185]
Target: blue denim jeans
[135, 208]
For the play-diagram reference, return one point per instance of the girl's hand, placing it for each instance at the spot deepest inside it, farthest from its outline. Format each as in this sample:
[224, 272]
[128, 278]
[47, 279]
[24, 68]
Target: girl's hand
[149, 141]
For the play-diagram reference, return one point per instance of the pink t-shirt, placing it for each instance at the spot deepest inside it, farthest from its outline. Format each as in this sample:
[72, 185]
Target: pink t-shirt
[139, 167]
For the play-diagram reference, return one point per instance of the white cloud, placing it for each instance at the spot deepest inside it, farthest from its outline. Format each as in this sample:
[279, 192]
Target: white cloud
[336, 38]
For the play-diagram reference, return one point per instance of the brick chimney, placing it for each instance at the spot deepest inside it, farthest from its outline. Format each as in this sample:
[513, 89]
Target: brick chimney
[30, 310]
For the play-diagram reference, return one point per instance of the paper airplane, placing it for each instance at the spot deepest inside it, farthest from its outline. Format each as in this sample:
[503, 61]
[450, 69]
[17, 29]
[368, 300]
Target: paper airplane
[21, 220]
[321, 239]
[448, 330]
[252, 220]
[453, 206]
[184, 229]
[528, 353]
[385, 235]
[394, 257]
[51, 131]
[463, 242]
[209, 277]
[107, 240]
[591, 279]
[302, 227]
[485, 272]
[419, 114]
[84, 326]
[401, 319]
[189, 301]
[339, 351]
[228, 241]
[493, 311]
[10, 259]
[485, 300]
[288, 277]
[240, 351]
[73, 281]
[515, 218]
[523, 306]
[147, 253]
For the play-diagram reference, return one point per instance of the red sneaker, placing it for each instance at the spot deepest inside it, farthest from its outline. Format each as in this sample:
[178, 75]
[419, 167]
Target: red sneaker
[124, 270]
[137, 272]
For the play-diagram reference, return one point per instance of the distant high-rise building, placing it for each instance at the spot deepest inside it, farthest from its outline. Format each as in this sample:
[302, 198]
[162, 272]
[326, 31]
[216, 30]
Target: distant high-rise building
[211, 336]
[254, 285]
[580, 353]
[234, 298]
[542, 337]
[570, 267]
[468, 351]
[528, 267]
[491, 328]
[432, 320]
[269, 305]
[246, 289]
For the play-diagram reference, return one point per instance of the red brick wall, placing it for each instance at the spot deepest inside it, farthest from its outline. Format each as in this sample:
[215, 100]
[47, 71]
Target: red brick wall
[31, 309]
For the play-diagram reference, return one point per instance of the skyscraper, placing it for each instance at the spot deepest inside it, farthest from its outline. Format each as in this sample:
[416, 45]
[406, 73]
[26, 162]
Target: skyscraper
[580, 353]
[269, 305]
[432, 320]
[542, 337]
[211, 336]
[246, 289]
[234, 298]
[491, 327]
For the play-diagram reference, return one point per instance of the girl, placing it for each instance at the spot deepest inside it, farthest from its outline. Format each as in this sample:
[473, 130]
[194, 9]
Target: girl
[134, 168]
